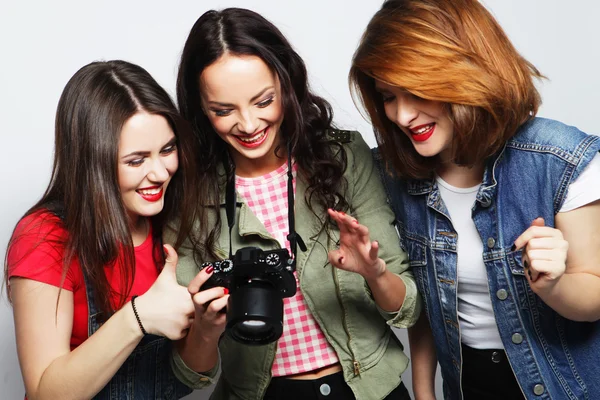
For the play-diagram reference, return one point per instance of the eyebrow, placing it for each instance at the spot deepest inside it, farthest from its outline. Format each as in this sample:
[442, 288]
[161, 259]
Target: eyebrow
[251, 100]
[145, 153]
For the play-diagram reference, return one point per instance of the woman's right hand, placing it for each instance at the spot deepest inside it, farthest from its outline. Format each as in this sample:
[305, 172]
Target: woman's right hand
[166, 308]
[210, 304]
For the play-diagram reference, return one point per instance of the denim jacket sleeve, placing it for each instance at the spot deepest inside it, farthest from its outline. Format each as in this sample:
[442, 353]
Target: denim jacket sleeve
[369, 205]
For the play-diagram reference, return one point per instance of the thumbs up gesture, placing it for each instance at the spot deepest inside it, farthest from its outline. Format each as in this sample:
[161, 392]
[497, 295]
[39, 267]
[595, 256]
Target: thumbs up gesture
[544, 255]
[166, 309]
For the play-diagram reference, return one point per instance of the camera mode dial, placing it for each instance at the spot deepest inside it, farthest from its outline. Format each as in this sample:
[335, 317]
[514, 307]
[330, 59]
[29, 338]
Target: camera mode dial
[273, 260]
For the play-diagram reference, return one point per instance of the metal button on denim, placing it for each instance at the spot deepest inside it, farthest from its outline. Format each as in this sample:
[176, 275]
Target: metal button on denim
[325, 389]
[502, 294]
[491, 242]
[517, 338]
[496, 357]
[538, 389]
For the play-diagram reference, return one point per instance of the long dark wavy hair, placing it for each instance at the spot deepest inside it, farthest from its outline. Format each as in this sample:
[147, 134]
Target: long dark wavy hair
[83, 195]
[321, 162]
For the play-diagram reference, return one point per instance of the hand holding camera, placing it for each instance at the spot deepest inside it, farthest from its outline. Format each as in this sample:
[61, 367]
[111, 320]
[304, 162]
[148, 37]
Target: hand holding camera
[257, 281]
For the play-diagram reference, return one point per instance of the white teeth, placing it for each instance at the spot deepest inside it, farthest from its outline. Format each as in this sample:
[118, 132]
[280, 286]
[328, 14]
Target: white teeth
[423, 129]
[149, 192]
[254, 138]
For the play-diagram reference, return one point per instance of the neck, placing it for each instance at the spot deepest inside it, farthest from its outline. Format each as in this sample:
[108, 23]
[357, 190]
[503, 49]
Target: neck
[139, 229]
[461, 176]
[248, 168]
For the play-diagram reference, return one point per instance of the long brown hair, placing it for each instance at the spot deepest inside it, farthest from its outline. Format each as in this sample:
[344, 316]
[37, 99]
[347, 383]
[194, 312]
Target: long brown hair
[83, 195]
[451, 51]
[321, 161]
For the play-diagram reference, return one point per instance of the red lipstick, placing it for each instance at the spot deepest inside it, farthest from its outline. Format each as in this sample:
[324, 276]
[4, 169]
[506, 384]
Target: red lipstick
[421, 137]
[151, 197]
[252, 145]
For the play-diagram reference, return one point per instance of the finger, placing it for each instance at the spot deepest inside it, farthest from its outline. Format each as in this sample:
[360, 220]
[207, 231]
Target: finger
[546, 255]
[549, 243]
[527, 270]
[204, 297]
[170, 259]
[374, 251]
[536, 232]
[549, 269]
[199, 280]
[346, 223]
[216, 307]
[539, 221]
[336, 257]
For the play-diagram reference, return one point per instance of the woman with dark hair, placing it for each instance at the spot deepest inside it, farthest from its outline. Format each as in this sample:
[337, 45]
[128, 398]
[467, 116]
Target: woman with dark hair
[95, 296]
[245, 92]
[499, 211]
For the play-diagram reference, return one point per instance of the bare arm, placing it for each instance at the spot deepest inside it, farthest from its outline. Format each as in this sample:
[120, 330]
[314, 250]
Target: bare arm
[423, 359]
[565, 262]
[199, 349]
[52, 371]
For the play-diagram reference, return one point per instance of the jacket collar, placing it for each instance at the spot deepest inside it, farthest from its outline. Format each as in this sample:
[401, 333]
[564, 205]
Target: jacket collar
[486, 192]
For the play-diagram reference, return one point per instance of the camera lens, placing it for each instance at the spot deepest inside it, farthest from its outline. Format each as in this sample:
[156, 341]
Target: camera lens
[255, 314]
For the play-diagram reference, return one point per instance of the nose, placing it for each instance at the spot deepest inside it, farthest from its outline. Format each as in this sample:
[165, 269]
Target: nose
[406, 110]
[158, 171]
[248, 123]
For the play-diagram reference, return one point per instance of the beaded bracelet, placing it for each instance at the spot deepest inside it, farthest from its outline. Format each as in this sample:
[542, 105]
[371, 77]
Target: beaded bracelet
[139, 321]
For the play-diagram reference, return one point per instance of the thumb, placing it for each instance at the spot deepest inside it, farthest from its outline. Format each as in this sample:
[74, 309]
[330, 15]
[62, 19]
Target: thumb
[539, 221]
[170, 260]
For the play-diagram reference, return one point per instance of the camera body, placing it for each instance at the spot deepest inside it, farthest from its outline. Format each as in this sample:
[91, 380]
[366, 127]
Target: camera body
[257, 281]
[251, 265]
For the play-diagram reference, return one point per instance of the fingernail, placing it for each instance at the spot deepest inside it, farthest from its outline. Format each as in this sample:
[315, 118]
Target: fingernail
[526, 264]
[355, 221]
[530, 276]
[341, 260]
[225, 291]
[342, 213]
[514, 247]
[209, 269]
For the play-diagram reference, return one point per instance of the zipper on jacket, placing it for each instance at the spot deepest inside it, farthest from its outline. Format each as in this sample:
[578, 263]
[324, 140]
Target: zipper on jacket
[355, 363]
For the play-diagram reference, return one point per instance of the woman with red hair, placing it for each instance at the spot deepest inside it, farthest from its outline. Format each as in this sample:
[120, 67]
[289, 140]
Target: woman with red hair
[497, 209]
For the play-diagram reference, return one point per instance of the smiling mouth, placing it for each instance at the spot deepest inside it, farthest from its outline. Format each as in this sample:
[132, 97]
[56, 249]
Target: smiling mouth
[422, 132]
[254, 140]
[151, 194]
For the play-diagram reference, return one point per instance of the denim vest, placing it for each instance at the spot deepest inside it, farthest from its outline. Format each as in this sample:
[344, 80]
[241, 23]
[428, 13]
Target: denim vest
[146, 374]
[552, 357]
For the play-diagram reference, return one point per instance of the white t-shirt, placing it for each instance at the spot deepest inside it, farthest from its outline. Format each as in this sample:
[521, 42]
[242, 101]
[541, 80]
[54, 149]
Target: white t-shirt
[475, 313]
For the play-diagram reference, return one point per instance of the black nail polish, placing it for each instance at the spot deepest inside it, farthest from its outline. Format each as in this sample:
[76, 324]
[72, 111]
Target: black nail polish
[526, 264]
[514, 247]
[530, 276]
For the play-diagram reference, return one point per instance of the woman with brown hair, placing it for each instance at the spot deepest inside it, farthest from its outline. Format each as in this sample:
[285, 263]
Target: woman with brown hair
[93, 288]
[498, 210]
[274, 159]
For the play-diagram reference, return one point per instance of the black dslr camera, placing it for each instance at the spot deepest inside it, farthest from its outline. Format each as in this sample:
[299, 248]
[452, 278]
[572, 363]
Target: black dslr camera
[257, 281]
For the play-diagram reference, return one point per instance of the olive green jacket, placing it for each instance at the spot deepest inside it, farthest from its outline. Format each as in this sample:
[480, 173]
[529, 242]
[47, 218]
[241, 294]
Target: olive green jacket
[371, 356]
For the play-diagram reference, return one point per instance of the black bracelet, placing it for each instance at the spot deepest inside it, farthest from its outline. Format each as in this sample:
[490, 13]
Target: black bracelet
[139, 321]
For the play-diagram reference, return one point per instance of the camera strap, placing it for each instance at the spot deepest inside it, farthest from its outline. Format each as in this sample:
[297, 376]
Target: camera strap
[230, 205]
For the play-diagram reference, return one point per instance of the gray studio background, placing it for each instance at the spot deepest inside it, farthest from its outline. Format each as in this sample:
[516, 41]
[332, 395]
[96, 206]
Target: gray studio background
[43, 43]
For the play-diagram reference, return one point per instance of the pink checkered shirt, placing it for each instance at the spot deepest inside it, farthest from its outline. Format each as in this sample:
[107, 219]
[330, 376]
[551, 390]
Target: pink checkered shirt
[302, 346]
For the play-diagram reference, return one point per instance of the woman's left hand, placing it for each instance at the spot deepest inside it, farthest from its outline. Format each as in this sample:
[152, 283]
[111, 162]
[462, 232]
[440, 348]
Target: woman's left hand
[544, 255]
[357, 253]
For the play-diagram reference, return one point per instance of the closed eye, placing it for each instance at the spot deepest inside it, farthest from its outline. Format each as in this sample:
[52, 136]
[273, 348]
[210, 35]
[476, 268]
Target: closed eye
[265, 103]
